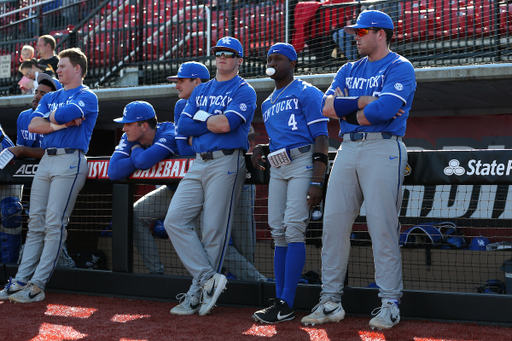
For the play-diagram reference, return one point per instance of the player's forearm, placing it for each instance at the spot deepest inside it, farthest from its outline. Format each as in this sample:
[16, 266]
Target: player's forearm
[147, 158]
[24, 151]
[218, 124]
[66, 114]
[189, 127]
[321, 147]
[120, 168]
[39, 125]
[184, 148]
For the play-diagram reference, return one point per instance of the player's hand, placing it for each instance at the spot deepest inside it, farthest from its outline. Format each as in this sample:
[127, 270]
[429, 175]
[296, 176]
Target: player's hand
[190, 140]
[257, 155]
[314, 197]
[75, 122]
[399, 113]
[339, 93]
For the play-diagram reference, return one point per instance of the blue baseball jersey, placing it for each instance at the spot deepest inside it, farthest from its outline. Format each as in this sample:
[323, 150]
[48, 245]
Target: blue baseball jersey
[293, 116]
[125, 161]
[393, 75]
[181, 140]
[235, 99]
[69, 105]
[6, 141]
[24, 137]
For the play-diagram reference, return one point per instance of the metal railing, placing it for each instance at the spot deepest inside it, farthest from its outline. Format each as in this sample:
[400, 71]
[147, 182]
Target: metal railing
[153, 38]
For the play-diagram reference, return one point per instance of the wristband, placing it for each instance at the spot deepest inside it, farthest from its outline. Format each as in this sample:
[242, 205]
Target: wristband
[316, 184]
[320, 157]
[344, 106]
[352, 119]
[265, 147]
[202, 116]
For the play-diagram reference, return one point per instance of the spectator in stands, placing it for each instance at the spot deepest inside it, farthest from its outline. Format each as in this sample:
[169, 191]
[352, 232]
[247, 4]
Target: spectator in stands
[144, 143]
[30, 70]
[46, 50]
[27, 53]
[67, 119]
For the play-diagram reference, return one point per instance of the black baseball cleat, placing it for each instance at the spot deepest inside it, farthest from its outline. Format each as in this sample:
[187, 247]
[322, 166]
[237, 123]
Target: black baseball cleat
[277, 312]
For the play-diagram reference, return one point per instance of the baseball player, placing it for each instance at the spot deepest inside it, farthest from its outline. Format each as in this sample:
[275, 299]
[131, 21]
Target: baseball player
[298, 155]
[372, 98]
[218, 115]
[29, 144]
[145, 142]
[240, 252]
[10, 209]
[66, 118]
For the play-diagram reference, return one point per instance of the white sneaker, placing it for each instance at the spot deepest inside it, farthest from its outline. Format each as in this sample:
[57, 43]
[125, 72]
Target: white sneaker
[211, 292]
[325, 312]
[189, 305]
[387, 316]
[11, 288]
[30, 293]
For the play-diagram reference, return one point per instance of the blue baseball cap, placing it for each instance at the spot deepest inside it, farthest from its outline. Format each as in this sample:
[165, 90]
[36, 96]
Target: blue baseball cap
[191, 70]
[371, 19]
[479, 243]
[230, 44]
[136, 111]
[54, 81]
[283, 48]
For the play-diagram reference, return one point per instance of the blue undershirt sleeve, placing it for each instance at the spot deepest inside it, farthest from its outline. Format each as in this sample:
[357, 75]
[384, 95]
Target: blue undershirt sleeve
[383, 109]
[120, 167]
[187, 126]
[147, 158]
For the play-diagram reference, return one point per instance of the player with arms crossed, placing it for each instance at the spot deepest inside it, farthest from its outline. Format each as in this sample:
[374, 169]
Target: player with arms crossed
[298, 156]
[240, 253]
[145, 142]
[218, 116]
[66, 118]
[372, 98]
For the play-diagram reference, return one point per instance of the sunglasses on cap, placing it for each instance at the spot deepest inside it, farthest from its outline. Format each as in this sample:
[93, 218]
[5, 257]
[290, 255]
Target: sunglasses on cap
[364, 31]
[227, 54]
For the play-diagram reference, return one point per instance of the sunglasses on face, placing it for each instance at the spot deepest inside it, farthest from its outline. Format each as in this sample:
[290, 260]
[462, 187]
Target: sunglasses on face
[226, 54]
[364, 31]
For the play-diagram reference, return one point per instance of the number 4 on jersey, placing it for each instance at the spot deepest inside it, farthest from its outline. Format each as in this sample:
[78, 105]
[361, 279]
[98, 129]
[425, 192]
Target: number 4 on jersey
[292, 123]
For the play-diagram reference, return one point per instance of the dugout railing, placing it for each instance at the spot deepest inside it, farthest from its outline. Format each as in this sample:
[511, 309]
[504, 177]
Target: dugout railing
[468, 188]
[150, 39]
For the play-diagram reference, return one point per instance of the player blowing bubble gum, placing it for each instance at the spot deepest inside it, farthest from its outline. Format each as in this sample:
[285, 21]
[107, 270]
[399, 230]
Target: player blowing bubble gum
[297, 154]
[371, 98]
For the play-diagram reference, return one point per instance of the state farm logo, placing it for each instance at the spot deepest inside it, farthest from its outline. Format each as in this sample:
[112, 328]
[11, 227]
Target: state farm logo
[454, 168]
[478, 167]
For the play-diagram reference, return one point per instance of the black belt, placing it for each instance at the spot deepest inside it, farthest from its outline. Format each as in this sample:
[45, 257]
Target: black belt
[53, 151]
[216, 154]
[371, 136]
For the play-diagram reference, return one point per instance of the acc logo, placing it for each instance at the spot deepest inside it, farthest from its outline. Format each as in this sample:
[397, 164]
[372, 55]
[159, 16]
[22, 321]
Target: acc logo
[454, 168]
[81, 103]
[163, 140]
[243, 107]
[399, 86]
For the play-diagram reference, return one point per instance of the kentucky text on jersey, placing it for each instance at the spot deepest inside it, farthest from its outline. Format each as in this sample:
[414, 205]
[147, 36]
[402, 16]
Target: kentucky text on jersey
[289, 104]
[214, 100]
[364, 83]
[28, 135]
